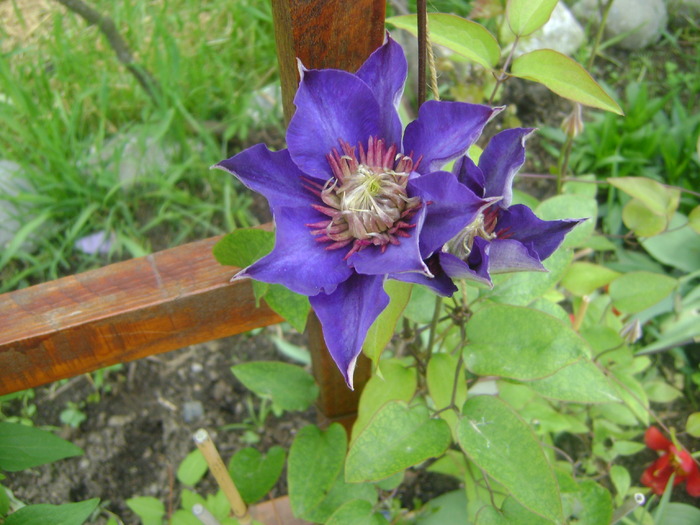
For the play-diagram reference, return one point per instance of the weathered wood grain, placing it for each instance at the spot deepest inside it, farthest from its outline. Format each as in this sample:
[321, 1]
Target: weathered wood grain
[122, 312]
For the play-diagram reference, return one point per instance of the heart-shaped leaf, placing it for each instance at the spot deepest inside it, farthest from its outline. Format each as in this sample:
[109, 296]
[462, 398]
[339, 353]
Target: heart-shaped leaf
[527, 16]
[289, 387]
[397, 437]
[255, 474]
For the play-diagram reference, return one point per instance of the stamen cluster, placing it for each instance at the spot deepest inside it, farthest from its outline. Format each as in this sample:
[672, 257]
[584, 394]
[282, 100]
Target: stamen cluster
[366, 199]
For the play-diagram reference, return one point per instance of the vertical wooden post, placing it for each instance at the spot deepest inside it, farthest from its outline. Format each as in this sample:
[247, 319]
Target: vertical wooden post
[338, 34]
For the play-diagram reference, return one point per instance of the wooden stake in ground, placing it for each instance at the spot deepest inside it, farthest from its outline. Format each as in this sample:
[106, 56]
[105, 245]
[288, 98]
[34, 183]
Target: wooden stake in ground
[223, 478]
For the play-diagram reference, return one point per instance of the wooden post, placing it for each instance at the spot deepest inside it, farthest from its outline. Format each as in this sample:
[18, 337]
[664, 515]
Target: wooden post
[327, 34]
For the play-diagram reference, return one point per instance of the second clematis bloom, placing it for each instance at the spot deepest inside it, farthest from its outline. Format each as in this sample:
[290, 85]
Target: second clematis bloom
[503, 237]
[356, 201]
[671, 461]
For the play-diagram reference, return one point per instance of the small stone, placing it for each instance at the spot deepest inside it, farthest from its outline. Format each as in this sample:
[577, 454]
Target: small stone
[119, 420]
[642, 21]
[192, 411]
[196, 368]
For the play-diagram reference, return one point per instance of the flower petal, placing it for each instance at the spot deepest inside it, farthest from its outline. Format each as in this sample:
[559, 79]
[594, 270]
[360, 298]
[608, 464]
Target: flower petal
[346, 315]
[402, 257]
[540, 237]
[509, 255]
[271, 173]
[451, 206]
[332, 105]
[476, 268]
[443, 131]
[469, 174]
[440, 283]
[298, 261]
[692, 485]
[655, 440]
[501, 160]
[385, 73]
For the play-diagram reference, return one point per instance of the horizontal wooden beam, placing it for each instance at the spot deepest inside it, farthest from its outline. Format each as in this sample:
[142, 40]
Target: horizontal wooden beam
[122, 312]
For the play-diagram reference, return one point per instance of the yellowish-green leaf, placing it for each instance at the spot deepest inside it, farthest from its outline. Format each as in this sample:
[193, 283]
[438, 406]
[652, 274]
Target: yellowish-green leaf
[563, 76]
[458, 34]
[583, 278]
[694, 219]
[661, 200]
[527, 16]
[641, 220]
[382, 330]
[692, 426]
[637, 291]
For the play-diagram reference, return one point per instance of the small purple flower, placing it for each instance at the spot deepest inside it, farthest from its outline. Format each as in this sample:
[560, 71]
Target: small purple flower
[502, 238]
[354, 200]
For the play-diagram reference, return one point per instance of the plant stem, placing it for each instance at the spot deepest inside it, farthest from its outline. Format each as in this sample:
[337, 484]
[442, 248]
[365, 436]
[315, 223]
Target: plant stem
[422, 49]
[599, 34]
[503, 75]
[433, 324]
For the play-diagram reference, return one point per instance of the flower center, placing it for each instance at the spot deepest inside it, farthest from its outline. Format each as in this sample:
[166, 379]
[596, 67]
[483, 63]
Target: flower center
[483, 226]
[366, 199]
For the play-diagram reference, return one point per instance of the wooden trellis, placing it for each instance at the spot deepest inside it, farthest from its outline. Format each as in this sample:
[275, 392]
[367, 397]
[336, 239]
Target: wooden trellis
[182, 296]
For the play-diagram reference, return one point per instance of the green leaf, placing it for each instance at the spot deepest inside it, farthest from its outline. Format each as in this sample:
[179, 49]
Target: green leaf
[356, 512]
[66, 514]
[637, 291]
[621, 480]
[661, 200]
[494, 437]
[521, 288]
[641, 220]
[382, 330]
[449, 508]
[339, 494]
[660, 391]
[694, 216]
[243, 247]
[678, 514]
[288, 386]
[24, 447]
[458, 34]
[571, 206]
[192, 468]
[294, 308]
[563, 76]
[4, 501]
[692, 425]
[591, 504]
[150, 510]
[527, 16]
[678, 247]
[255, 474]
[441, 378]
[315, 460]
[392, 382]
[397, 437]
[580, 382]
[583, 278]
[534, 346]
[511, 512]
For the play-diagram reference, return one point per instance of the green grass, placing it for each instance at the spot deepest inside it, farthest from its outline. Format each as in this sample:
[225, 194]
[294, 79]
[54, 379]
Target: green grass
[67, 106]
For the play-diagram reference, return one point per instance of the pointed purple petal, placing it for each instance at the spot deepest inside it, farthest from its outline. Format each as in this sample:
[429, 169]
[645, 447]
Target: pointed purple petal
[443, 131]
[385, 73]
[470, 175]
[509, 255]
[540, 237]
[501, 160]
[451, 206]
[297, 260]
[440, 283]
[331, 105]
[271, 173]
[476, 268]
[404, 257]
[346, 315]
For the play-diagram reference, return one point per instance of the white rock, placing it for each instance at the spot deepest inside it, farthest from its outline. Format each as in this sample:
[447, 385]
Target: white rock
[642, 21]
[562, 32]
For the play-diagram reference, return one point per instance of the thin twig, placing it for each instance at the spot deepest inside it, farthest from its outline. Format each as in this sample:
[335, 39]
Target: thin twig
[119, 45]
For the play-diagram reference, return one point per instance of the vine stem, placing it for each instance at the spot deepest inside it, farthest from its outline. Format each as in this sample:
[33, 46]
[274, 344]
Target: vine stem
[433, 324]
[503, 75]
[422, 12]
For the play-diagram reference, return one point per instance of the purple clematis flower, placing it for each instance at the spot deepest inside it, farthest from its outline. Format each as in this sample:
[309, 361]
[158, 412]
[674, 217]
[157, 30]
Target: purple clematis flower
[354, 200]
[502, 238]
